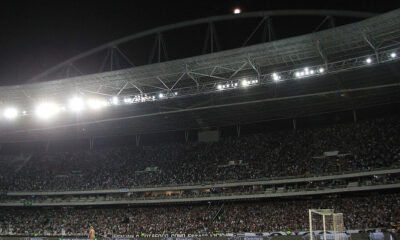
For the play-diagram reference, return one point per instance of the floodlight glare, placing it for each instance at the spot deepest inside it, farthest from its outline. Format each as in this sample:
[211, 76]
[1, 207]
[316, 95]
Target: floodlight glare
[115, 100]
[297, 74]
[321, 70]
[311, 72]
[237, 11]
[46, 110]
[128, 100]
[245, 83]
[10, 113]
[393, 55]
[368, 60]
[176, 93]
[76, 104]
[160, 95]
[96, 104]
[276, 77]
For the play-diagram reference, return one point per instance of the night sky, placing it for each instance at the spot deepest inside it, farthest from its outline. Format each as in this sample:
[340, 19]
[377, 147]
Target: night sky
[37, 35]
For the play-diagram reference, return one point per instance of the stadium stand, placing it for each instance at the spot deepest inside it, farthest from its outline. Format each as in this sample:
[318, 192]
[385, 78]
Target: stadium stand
[362, 212]
[363, 146]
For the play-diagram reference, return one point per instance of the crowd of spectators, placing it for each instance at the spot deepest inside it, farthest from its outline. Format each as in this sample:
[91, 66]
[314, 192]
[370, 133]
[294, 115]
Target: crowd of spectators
[360, 212]
[362, 146]
[209, 192]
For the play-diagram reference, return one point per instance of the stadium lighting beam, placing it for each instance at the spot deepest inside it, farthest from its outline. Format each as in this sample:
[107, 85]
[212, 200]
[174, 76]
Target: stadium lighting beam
[10, 113]
[76, 104]
[237, 11]
[276, 77]
[115, 100]
[96, 104]
[128, 100]
[46, 110]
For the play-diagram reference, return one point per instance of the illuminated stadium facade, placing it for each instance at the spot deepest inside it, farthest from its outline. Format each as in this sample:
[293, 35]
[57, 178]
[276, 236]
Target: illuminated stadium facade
[264, 183]
[356, 62]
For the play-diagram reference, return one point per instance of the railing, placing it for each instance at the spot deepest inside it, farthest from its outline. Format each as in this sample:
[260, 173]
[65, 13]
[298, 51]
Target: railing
[227, 183]
[209, 197]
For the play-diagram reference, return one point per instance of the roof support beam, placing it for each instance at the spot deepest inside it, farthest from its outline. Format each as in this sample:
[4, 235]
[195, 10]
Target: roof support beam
[166, 87]
[299, 12]
[372, 45]
[122, 89]
[253, 65]
[322, 53]
[238, 70]
[177, 81]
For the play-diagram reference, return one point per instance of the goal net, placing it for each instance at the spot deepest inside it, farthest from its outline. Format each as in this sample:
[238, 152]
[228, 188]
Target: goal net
[325, 224]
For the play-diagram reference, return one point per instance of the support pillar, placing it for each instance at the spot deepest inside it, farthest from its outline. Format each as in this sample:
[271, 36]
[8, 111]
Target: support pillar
[137, 140]
[311, 227]
[187, 136]
[47, 146]
[323, 222]
[238, 130]
[91, 143]
[354, 116]
[294, 123]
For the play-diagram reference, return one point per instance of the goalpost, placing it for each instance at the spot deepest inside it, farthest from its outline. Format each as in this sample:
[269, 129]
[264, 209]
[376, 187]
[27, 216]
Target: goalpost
[328, 222]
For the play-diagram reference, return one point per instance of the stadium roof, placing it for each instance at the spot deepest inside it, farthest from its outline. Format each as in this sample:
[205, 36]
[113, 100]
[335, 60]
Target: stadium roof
[348, 83]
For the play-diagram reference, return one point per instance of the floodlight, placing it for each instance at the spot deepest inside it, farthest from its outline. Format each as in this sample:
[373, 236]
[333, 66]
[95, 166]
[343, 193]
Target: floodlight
[245, 83]
[96, 104]
[176, 93]
[276, 77]
[115, 100]
[46, 110]
[311, 72]
[161, 95]
[10, 113]
[76, 104]
[393, 55]
[237, 11]
[321, 70]
[297, 74]
[368, 60]
[128, 100]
